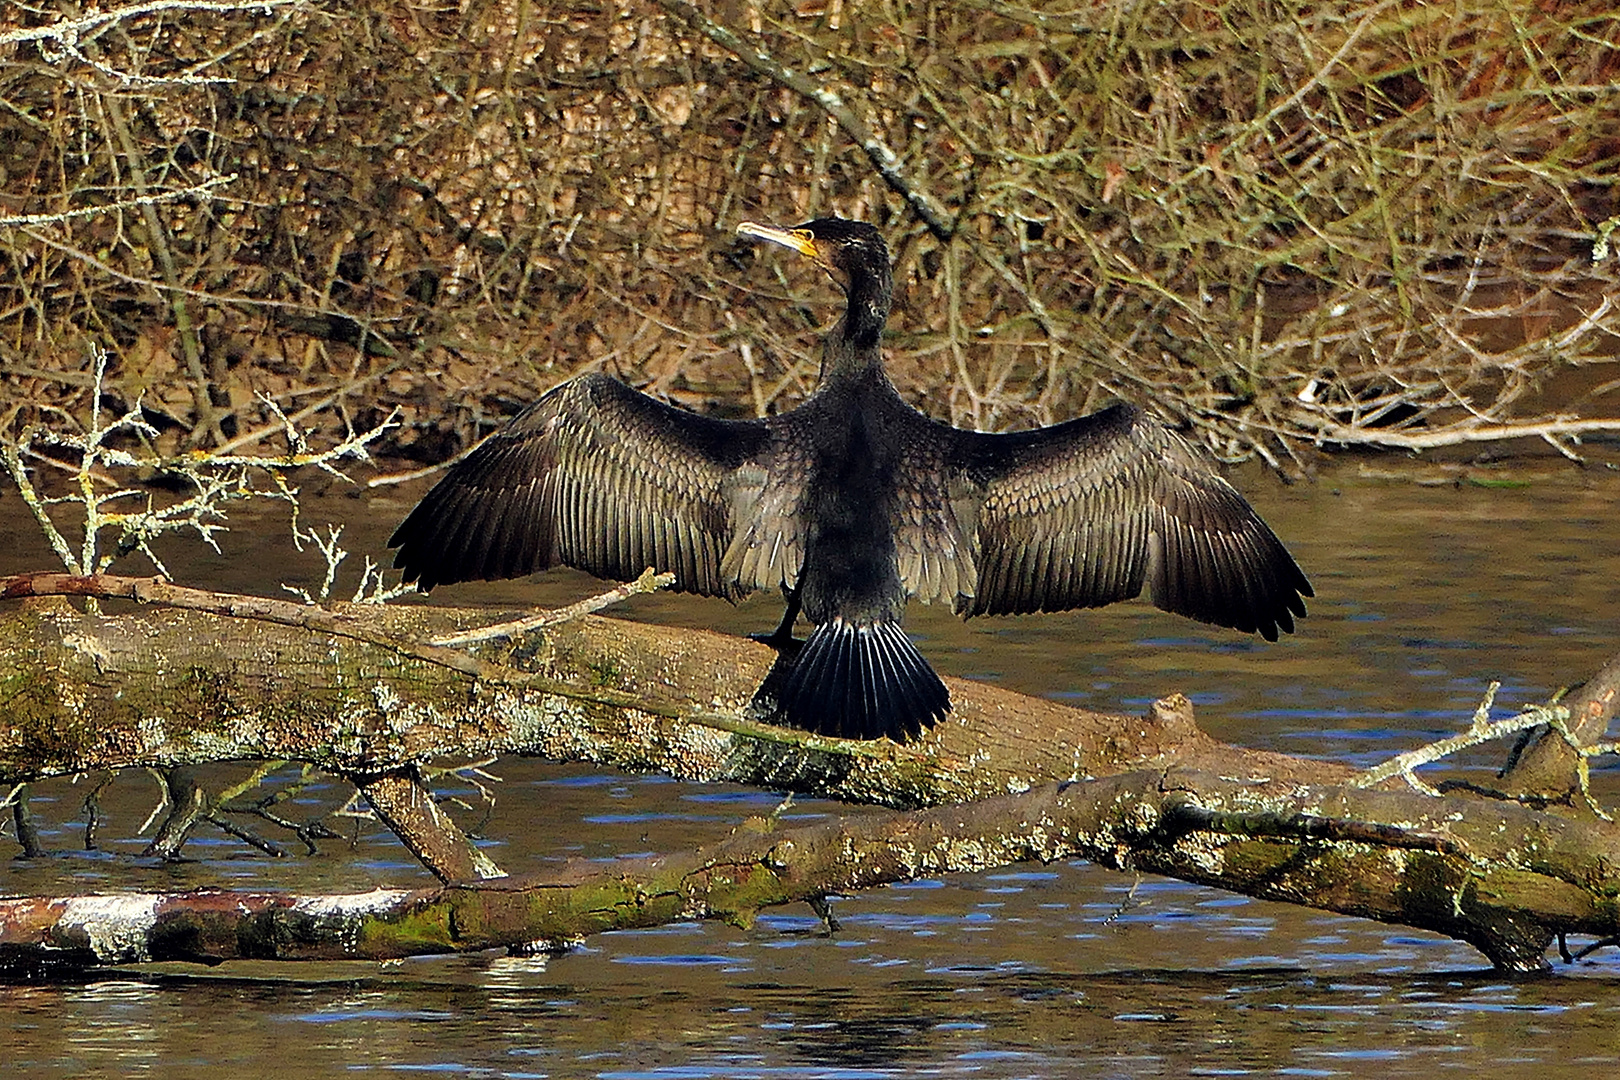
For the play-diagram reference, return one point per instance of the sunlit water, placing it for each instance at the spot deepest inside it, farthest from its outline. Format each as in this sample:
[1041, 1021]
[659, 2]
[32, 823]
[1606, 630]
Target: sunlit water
[1425, 594]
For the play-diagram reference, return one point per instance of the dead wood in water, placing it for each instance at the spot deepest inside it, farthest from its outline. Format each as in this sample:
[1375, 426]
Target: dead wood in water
[210, 677]
[1463, 875]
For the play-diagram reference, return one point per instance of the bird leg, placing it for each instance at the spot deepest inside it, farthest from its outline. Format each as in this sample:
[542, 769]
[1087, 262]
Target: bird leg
[781, 639]
[765, 705]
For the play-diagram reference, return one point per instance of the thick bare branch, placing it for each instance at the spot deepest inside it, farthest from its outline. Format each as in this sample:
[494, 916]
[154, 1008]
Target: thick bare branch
[406, 806]
[353, 691]
[1500, 877]
[1548, 765]
[75, 28]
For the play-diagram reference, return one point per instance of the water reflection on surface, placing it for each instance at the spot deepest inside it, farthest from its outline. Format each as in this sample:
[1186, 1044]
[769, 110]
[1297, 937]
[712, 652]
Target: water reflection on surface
[1425, 594]
[474, 1017]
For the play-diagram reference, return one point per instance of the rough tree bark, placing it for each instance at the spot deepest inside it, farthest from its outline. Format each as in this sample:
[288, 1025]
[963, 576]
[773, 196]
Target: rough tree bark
[188, 677]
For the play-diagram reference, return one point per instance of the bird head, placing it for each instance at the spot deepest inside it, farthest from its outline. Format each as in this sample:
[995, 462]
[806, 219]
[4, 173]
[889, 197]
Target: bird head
[845, 249]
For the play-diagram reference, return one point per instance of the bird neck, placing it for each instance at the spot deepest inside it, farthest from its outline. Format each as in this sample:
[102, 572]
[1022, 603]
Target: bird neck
[854, 371]
[868, 308]
[855, 343]
[847, 362]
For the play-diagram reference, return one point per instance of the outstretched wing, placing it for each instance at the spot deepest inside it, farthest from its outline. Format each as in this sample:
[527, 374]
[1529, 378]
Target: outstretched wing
[594, 475]
[1085, 513]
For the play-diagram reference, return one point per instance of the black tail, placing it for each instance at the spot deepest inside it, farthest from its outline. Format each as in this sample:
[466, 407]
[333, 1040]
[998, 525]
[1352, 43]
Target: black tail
[861, 682]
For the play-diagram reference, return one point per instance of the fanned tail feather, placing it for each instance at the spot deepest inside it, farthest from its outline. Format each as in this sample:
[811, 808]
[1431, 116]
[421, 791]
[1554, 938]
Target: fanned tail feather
[862, 682]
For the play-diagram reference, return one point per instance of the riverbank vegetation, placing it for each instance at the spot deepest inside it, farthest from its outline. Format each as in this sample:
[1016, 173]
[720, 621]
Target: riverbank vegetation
[1284, 225]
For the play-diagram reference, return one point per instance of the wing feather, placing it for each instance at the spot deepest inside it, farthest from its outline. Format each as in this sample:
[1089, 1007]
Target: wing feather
[931, 505]
[767, 549]
[597, 476]
[1089, 512]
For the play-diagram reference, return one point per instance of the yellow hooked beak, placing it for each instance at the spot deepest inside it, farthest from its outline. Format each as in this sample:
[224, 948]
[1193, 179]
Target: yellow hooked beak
[799, 240]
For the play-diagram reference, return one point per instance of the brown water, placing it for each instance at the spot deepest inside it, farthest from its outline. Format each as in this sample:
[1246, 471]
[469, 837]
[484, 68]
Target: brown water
[1424, 595]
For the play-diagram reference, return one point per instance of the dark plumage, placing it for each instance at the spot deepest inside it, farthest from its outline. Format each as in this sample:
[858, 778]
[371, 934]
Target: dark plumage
[851, 504]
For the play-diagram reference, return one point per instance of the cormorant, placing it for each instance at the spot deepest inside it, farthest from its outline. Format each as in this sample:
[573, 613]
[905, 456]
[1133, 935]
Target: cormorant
[853, 503]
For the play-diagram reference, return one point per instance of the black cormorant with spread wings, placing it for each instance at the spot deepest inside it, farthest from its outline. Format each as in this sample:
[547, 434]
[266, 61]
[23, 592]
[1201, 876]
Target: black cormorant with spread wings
[853, 503]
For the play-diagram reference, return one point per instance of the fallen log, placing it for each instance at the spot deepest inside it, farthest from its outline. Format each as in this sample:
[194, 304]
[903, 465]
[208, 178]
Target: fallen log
[1501, 877]
[183, 677]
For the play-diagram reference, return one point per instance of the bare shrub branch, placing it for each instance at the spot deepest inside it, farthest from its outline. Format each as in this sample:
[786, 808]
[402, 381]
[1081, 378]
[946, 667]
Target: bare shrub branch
[1289, 227]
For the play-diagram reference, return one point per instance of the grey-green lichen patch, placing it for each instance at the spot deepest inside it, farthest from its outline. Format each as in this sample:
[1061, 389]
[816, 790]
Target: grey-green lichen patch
[89, 646]
[351, 905]
[344, 915]
[537, 723]
[1201, 851]
[704, 753]
[117, 928]
[605, 671]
